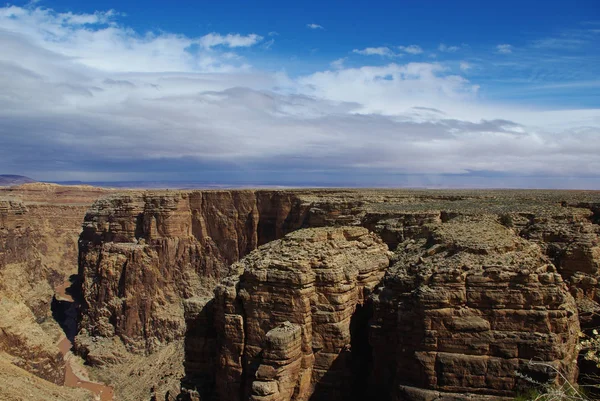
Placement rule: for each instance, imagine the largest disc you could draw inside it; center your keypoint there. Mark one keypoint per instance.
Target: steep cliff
(23, 295)
(298, 295)
(145, 256)
(141, 254)
(284, 319)
(39, 229)
(463, 310)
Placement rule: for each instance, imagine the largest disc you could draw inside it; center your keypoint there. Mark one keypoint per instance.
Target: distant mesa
(10, 179)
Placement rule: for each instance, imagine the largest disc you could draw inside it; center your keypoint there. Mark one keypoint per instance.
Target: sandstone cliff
(24, 297)
(464, 309)
(141, 254)
(284, 318)
(144, 255)
(39, 229)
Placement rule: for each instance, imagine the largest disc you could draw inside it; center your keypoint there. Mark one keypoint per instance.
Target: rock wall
(39, 230)
(142, 254)
(462, 311)
(22, 293)
(456, 315)
(480, 283)
(572, 241)
(283, 318)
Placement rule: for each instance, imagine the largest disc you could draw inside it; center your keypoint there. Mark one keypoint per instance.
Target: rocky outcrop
(150, 261)
(142, 254)
(22, 294)
(27, 345)
(462, 311)
(19, 384)
(285, 317)
(572, 241)
(11, 214)
(39, 228)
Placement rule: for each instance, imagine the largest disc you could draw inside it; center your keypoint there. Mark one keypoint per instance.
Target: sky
(315, 93)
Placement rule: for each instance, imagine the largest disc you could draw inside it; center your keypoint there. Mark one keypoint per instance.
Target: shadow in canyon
(348, 378)
(64, 306)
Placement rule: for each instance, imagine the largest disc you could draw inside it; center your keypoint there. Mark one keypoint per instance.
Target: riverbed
(100, 390)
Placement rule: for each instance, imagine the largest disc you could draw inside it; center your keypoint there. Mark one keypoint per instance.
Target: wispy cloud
(375, 51)
(268, 44)
(229, 40)
(314, 26)
(448, 49)
(464, 66)
(339, 63)
(504, 49)
(559, 43)
(412, 49)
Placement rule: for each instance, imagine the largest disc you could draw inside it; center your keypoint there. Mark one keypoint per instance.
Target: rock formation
(39, 229)
(283, 319)
(141, 254)
(23, 295)
(463, 310)
(481, 282)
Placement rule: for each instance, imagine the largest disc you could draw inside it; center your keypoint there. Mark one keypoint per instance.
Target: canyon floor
(130, 290)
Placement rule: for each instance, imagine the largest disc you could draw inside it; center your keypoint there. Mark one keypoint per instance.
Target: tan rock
(283, 318)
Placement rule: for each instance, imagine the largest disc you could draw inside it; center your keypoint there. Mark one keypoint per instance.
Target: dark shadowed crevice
(348, 378)
(139, 226)
(595, 218)
(362, 352)
(65, 306)
(248, 371)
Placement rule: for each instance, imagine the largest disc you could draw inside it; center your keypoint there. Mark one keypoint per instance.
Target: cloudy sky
(428, 93)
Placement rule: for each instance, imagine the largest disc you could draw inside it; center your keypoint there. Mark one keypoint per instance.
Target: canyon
(300, 294)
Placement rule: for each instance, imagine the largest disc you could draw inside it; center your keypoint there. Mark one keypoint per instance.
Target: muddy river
(101, 391)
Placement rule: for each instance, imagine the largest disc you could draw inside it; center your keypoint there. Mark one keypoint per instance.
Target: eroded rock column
(462, 312)
(283, 317)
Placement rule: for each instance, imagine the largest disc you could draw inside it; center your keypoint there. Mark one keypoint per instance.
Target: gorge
(286, 294)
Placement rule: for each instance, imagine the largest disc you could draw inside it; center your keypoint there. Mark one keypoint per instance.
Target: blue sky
(314, 92)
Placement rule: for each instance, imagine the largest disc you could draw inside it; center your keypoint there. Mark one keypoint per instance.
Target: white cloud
(412, 49)
(96, 41)
(504, 49)
(339, 63)
(559, 43)
(375, 51)
(268, 44)
(229, 40)
(314, 26)
(464, 66)
(103, 101)
(448, 49)
(390, 89)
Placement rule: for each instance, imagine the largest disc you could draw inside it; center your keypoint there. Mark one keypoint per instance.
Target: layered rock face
(39, 229)
(473, 293)
(312, 316)
(573, 243)
(462, 311)
(21, 266)
(142, 254)
(284, 318)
